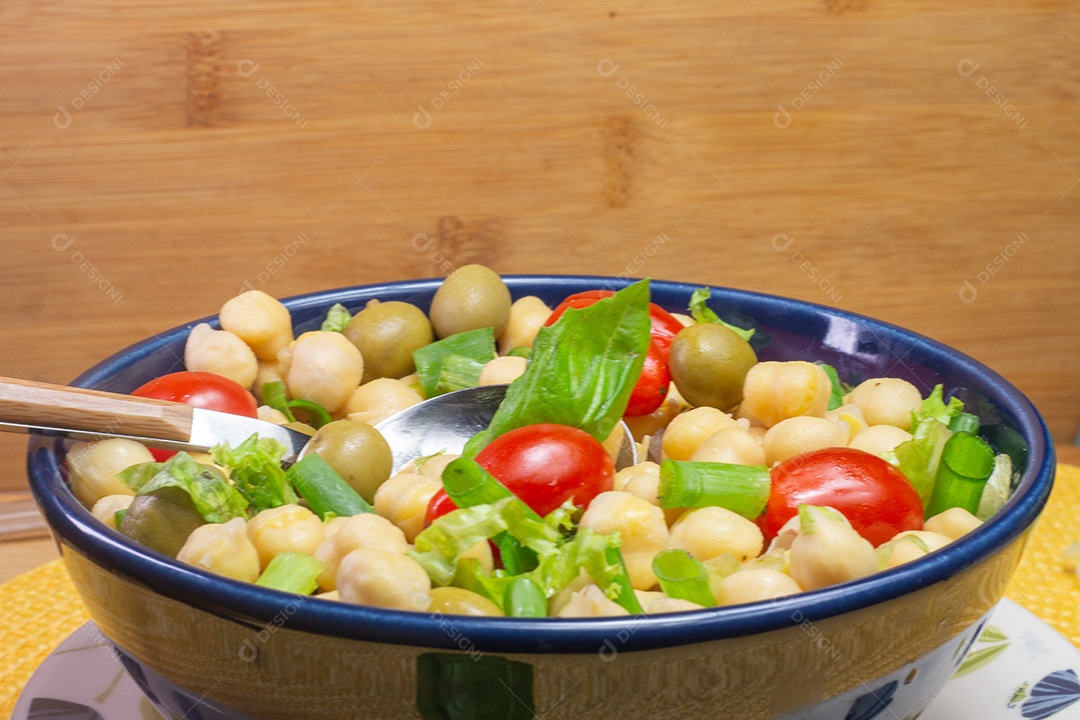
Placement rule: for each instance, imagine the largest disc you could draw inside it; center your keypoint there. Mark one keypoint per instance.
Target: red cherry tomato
(872, 494)
(199, 389)
(545, 465)
(652, 386)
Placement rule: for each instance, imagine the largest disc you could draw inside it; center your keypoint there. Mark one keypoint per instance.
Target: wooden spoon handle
(30, 405)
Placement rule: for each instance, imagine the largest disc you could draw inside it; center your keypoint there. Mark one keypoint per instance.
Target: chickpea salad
(758, 479)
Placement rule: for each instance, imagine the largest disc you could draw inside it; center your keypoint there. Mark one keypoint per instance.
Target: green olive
(357, 452)
(470, 298)
(386, 333)
(709, 363)
(161, 520)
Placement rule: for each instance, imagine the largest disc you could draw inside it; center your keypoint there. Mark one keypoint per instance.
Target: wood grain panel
(912, 161)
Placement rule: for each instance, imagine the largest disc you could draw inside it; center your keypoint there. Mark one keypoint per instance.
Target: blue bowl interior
(858, 347)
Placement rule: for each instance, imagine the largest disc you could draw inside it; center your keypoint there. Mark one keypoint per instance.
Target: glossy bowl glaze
(207, 647)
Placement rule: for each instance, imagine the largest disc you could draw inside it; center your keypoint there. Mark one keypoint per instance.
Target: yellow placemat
(41, 607)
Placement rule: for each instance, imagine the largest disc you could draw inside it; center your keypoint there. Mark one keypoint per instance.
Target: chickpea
(481, 553)
(849, 415)
(527, 315)
(470, 298)
(879, 439)
(503, 369)
(953, 523)
(221, 352)
(458, 601)
(282, 529)
(775, 391)
(710, 531)
(731, 445)
(432, 466)
(377, 400)
(909, 545)
(403, 500)
(106, 508)
(345, 534)
(591, 601)
(269, 414)
(93, 467)
(795, 435)
(369, 576)
(643, 481)
(661, 417)
(686, 433)
(755, 585)
(223, 549)
(268, 371)
(657, 603)
(641, 526)
(828, 550)
(325, 368)
(559, 599)
(260, 320)
(887, 401)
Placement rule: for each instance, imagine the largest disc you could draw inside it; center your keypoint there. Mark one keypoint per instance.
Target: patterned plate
(1019, 669)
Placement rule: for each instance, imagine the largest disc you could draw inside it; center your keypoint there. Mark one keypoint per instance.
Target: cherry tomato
(652, 386)
(199, 389)
(545, 465)
(872, 494)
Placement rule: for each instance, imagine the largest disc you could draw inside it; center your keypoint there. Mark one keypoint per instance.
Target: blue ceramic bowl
(204, 646)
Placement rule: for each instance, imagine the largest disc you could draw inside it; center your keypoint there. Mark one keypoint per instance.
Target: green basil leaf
(582, 369)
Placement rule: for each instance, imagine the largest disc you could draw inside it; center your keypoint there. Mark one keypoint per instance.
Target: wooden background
(912, 160)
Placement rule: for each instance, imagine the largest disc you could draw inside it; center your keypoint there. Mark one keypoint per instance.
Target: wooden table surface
(915, 161)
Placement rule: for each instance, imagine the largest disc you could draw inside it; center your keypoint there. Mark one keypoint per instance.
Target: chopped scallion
(682, 576)
(966, 464)
(740, 488)
(325, 491)
(292, 572)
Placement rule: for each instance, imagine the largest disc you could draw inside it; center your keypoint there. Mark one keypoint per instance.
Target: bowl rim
(257, 607)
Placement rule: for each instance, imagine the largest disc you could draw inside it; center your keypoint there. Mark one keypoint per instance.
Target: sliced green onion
(966, 464)
(317, 416)
(524, 598)
(118, 517)
(337, 319)
(964, 423)
(743, 489)
(273, 395)
(325, 490)
(836, 395)
(292, 572)
(476, 345)
(468, 484)
(521, 351)
(457, 373)
(682, 576)
(624, 591)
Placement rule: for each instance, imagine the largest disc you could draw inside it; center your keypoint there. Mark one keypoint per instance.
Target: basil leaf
(582, 369)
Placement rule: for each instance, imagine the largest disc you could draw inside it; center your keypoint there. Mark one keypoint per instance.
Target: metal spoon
(446, 422)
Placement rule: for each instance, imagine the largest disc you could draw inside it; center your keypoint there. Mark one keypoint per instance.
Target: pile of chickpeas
(365, 374)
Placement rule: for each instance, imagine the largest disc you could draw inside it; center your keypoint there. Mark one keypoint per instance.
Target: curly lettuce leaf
(216, 500)
(918, 458)
(255, 469)
(702, 313)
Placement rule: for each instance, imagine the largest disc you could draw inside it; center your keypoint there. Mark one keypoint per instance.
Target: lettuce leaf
(255, 469)
(702, 313)
(919, 457)
(440, 546)
(216, 500)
